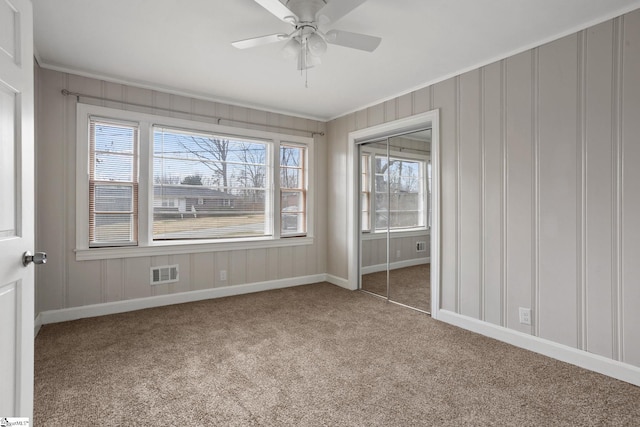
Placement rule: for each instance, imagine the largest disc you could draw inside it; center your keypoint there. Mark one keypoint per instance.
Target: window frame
(94, 183)
(302, 189)
(146, 246)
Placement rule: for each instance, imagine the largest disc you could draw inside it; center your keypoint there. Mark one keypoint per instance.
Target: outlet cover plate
(525, 315)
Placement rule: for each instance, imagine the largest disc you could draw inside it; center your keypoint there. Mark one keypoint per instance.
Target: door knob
(37, 258)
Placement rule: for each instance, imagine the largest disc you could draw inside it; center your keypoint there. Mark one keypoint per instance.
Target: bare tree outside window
(218, 184)
(213, 153)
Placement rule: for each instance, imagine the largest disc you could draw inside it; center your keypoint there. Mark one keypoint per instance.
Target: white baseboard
(395, 265)
(338, 281)
(593, 362)
(37, 324)
(66, 314)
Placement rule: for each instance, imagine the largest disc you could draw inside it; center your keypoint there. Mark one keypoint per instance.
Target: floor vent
(164, 274)
(421, 246)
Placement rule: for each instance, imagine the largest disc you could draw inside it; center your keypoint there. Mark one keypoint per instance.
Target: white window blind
(113, 183)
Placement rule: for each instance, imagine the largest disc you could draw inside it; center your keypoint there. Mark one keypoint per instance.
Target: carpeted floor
(409, 286)
(306, 356)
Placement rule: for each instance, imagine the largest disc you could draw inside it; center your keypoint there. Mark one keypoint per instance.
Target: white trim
(339, 281)
(593, 362)
(434, 230)
(66, 314)
(191, 248)
(402, 155)
(396, 234)
(395, 265)
(37, 324)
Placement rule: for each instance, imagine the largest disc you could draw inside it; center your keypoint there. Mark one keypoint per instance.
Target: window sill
(396, 234)
(174, 248)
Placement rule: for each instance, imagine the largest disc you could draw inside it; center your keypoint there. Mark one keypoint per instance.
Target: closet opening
(395, 212)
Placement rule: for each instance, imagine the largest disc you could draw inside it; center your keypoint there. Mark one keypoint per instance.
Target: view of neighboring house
(193, 199)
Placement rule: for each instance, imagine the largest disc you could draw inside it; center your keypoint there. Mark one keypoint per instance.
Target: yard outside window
(153, 181)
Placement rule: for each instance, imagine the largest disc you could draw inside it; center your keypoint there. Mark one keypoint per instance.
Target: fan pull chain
(305, 64)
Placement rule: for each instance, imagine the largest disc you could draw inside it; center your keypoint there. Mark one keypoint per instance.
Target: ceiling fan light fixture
(306, 60)
(316, 44)
(291, 49)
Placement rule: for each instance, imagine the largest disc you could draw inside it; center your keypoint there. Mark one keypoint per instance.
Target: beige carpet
(410, 285)
(306, 356)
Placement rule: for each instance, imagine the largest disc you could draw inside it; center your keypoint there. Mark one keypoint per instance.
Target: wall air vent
(421, 246)
(164, 274)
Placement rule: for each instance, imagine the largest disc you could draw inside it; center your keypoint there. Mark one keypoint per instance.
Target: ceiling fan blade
(279, 10)
(336, 9)
(259, 41)
(353, 40)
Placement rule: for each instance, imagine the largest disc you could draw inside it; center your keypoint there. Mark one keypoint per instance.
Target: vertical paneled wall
(65, 282)
(558, 217)
(540, 204)
(627, 190)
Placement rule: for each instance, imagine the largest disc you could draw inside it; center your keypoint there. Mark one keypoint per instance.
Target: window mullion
(277, 192)
(372, 192)
(145, 185)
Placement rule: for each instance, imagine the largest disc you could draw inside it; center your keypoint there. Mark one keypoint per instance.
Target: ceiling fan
(306, 41)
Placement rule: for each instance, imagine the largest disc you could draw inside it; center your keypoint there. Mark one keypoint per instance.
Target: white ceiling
(184, 46)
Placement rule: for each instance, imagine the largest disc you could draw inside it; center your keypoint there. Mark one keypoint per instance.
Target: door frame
(400, 126)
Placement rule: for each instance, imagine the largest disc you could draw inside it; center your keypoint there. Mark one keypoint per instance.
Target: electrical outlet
(398, 253)
(525, 316)
(223, 275)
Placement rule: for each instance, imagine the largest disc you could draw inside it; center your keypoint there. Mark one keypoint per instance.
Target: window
(113, 183)
(220, 183)
(400, 190)
(156, 181)
(292, 190)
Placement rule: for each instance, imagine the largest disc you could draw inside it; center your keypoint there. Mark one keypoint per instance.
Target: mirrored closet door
(395, 218)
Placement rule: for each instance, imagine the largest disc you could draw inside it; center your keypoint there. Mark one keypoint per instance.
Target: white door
(16, 208)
